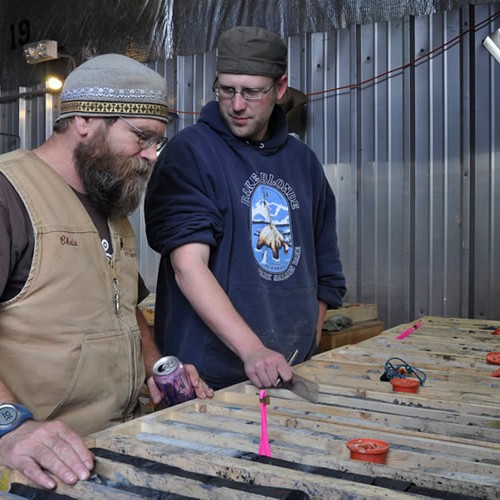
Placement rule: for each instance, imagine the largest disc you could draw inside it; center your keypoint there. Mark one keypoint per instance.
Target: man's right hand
(263, 367)
(35, 447)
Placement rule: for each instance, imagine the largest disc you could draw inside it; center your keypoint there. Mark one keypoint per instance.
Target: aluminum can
(173, 381)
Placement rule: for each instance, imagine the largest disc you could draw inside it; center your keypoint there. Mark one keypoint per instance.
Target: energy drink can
(173, 381)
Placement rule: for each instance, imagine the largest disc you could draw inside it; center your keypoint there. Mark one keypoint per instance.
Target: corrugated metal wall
(413, 155)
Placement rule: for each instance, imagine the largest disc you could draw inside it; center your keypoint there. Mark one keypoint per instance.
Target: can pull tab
(117, 295)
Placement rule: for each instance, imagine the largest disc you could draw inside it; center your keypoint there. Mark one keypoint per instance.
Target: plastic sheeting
(137, 28)
(158, 29)
(197, 24)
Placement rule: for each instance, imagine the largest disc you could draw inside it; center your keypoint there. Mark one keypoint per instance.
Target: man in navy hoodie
(245, 222)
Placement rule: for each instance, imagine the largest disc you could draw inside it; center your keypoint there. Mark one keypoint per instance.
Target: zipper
(116, 286)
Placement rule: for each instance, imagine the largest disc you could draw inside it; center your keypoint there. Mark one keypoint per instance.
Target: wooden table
(444, 441)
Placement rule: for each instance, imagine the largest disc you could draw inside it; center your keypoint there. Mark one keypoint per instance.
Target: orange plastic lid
(496, 332)
(493, 358)
(405, 385)
(368, 446)
(496, 373)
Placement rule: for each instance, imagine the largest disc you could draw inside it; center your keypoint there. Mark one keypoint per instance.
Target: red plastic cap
(405, 385)
(496, 332)
(368, 450)
(493, 358)
(496, 373)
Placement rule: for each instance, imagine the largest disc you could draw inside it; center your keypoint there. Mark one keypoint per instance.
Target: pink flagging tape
(264, 448)
(409, 331)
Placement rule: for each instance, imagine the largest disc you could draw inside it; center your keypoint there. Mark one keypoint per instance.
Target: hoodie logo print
(272, 242)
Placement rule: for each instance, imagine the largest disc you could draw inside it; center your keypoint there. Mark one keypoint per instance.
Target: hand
(263, 367)
(52, 446)
(202, 390)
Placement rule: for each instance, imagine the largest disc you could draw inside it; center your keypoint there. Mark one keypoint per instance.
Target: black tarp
(160, 29)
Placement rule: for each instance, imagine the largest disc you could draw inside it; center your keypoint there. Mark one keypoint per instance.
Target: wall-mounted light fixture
(41, 51)
(492, 44)
(44, 50)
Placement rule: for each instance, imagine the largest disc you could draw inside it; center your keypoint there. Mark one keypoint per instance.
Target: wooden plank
(439, 371)
(170, 480)
(368, 371)
(452, 328)
(399, 412)
(341, 421)
(473, 364)
(88, 490)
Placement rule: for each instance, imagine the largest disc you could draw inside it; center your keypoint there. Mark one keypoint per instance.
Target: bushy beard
(114, 183)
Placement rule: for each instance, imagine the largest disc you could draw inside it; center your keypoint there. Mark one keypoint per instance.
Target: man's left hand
(201, 388)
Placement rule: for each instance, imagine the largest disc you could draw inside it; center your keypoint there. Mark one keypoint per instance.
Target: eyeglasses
(146, 139)
(223, 92)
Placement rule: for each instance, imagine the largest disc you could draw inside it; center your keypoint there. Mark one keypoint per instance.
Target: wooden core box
(365, 324)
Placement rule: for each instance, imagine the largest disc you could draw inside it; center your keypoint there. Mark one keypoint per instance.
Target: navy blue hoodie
(268, 214)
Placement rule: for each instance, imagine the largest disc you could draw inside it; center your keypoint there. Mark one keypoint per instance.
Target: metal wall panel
(412, 154)
(25, 121)
(485, 180)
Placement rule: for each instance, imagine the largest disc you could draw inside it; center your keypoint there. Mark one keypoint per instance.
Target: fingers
(201, 388)
(262, 375)
(193, 373)
(35, 446)
(265, 366)
(31, 469)
(154, 392)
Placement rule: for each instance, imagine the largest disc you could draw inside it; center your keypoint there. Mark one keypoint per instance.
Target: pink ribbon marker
(264, 448)
(409, 331)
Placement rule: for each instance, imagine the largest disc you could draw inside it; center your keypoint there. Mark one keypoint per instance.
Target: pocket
(105, 383)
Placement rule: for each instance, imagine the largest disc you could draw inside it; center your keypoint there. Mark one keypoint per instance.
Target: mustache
(123, 176)
(132, 185)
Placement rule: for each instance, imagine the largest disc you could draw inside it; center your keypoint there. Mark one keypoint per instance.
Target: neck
(58, 154)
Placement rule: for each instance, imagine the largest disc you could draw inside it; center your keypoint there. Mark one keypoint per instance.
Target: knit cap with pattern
(114, 85)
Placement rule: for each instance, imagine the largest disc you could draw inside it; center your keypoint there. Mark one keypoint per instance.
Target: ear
(84, 124)
(281, 86)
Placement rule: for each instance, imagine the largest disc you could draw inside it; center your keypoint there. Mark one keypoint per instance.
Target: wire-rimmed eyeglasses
(223, 92)
(146, 139)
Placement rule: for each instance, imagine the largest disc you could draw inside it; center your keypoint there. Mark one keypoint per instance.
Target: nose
(238, 102)
(150, 154)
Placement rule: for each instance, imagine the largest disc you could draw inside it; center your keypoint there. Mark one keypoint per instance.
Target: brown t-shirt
(17, 240)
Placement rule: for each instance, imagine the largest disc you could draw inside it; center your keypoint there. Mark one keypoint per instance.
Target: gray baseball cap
(249, 50)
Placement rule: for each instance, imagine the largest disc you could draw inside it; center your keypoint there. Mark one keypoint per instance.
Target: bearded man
(75, 349)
